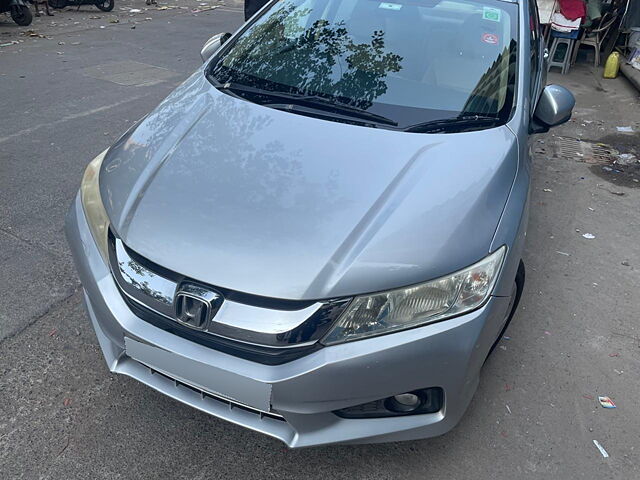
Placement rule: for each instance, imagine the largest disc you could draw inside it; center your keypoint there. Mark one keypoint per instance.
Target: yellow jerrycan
(612, 65)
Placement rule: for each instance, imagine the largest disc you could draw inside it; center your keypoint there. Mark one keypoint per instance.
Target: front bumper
(293, 401)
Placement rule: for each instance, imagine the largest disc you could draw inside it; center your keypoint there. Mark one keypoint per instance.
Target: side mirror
(212, 45)
(554, 108)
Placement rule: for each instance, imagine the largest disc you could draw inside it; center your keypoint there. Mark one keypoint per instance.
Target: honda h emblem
(196, 306)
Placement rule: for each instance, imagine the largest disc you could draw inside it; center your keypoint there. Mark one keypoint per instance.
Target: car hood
(271, 203)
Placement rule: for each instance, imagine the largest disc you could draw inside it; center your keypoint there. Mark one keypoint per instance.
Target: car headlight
(93, 207)
(445, 297)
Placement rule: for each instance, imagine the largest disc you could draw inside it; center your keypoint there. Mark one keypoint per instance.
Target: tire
(516, 293)
(106, 5)
(21, 14)
(58, 4)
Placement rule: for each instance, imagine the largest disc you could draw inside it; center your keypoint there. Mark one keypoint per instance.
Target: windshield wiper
(308, 101)
(333, 106)
(459, 123)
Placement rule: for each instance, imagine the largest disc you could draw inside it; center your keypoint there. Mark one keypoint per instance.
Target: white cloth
(560, 23)
(545, 10)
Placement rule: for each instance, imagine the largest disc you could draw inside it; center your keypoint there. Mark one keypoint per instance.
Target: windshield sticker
(492, 14)
(390, 6)
(490, 38)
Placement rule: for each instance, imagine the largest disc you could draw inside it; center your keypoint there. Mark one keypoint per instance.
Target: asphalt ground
(536, 413)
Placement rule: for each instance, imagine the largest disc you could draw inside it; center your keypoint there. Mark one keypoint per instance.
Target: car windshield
(407, 61)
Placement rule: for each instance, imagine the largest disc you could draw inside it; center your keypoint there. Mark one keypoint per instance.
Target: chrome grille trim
(142, 284)
(247, 324)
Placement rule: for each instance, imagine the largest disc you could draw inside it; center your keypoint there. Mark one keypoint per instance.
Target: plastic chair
(594, 37)
(562, 38)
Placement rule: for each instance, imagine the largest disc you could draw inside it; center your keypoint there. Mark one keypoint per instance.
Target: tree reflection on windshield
(281, 53)
(495, 87)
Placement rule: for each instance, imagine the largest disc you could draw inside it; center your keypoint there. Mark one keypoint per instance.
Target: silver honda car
(318, 235)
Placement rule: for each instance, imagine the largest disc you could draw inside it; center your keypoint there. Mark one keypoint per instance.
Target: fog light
(426, 400)
(405, 402)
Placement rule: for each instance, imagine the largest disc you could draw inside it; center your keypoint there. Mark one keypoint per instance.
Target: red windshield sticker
(490, 38)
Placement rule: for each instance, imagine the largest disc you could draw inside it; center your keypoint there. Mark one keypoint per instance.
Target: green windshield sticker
(492, 14)
(390, 6)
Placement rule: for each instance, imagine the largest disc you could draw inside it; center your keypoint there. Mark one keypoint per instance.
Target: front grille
(266, 421)
(149, 291)
(254, 353)
(203, 394)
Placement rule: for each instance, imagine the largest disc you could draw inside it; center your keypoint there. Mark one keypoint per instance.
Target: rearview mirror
(554, 108)
(212, 45)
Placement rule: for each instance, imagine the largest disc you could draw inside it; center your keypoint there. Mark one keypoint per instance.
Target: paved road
(63, 416)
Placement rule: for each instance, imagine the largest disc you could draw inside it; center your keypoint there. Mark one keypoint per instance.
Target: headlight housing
(394, 310)
(93, 207)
